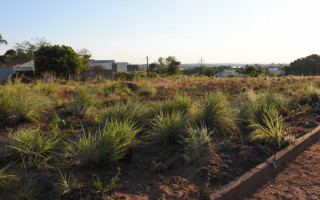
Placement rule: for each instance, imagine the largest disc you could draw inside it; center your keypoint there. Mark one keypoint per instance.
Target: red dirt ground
(300, 180)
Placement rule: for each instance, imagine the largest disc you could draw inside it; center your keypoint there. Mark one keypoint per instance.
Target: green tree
(173, 65)
(3, 41)
(61, 60)
(85, 56)
(309, 65)
(250, 71)
(26, 49)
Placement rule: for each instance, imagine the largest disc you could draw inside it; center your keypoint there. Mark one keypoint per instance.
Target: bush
(31, 145)
(147, 89)
(168, 128)
(132, 111)
(5, 104)
(196, 140)
(106, 147)
(82, 101)
(217, 115)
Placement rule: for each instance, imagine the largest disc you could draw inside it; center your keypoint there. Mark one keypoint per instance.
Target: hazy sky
(245, 31)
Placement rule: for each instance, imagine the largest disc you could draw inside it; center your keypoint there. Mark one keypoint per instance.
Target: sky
(218, 31)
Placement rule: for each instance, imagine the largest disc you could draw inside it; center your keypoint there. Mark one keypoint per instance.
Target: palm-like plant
(2, 41)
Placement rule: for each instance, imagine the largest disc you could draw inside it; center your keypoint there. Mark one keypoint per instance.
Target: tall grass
(168, 128)
(309, 94)
(82, 102)
(27, 107)
(147, 89)
(106, 146)
(116, 87)
(196, 140)
(271, 131)
(216, 114)
(30, 145)
(181, 103)
(133, 111)
(5, 104)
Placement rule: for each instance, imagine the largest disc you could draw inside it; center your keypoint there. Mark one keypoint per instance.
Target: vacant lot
(172, 138)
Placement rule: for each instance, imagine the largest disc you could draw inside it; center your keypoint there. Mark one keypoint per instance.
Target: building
(104, 64)
(17, 68)
(229, 72)
(276, 70)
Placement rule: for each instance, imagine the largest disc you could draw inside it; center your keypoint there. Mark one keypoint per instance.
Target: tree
(2, 41)
(250, 71)
(309, 65)
(61, 60)
(26, 49)
(85, 56)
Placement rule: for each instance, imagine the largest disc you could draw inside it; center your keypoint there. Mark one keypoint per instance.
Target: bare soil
(300, 180)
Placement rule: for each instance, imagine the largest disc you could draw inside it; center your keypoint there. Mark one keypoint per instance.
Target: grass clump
(196, 139)
(132, 111)
(147, 89)
(5, 104)
(271, 131)
(105, 147)
(168, 128)
(216, 114)
(181, 103)
(117, 87)
(309, 94)
(66, 184)
(82, 102)
(27, 107)
(30, 145)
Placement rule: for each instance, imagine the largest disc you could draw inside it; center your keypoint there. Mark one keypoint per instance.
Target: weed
(309, 94)
(116, 88)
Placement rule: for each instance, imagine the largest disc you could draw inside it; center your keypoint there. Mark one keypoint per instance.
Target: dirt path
(301, 180)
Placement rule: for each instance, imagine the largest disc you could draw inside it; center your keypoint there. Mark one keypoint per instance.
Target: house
(17, 68)
(276, 70)
(229, 72)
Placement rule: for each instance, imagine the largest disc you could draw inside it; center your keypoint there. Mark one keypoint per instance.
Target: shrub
(147, 89)
(106, 147)
(82, 101)
(168, 128)
(308, 95)
(27, 107)
(132, 111)
(217, 115)
(31, 145)
(196, 140)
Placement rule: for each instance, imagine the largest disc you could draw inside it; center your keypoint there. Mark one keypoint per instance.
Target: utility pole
(147, 67)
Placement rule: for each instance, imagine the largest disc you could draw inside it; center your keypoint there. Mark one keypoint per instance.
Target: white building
(275, 70)
(227, 72)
